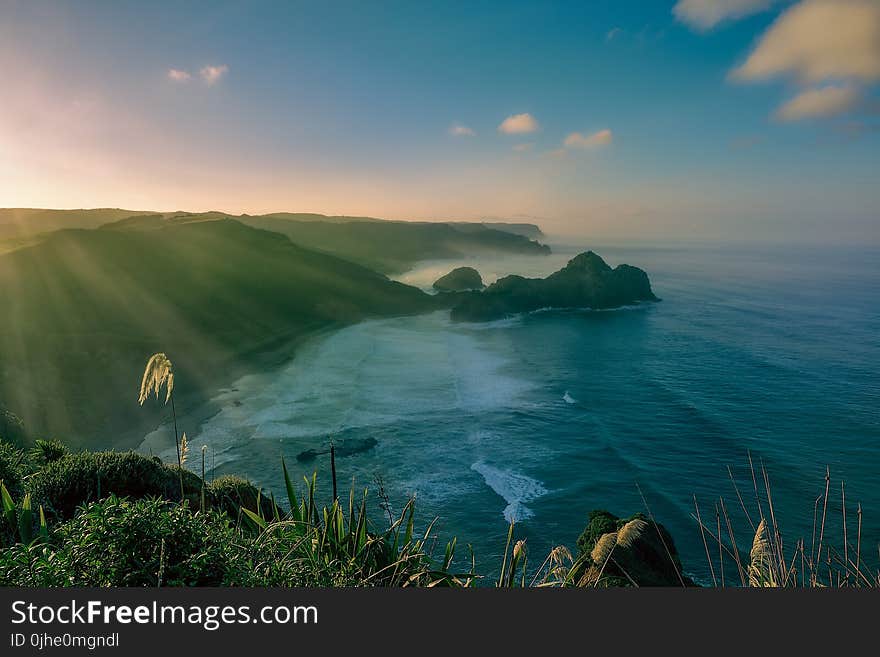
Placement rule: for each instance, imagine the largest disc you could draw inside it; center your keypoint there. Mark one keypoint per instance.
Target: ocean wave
(568, 399)
(587, 309)
(504, 323)
(515, 488)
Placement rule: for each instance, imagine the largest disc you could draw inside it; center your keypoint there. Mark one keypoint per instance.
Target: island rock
(460, 279)
(586, 281)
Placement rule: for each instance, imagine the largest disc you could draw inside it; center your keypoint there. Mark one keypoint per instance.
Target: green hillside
(390, 247)
(393, 247)
(532, 231)
(387, 246)
(83, 310)
(27, 222)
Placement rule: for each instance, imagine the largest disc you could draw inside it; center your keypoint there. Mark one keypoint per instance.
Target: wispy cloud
(819, 103)
(817, 41)
(177, 75)
(703, 15)
(835, 43)
(459, 130)
(519, 124)
(583, 141)
(613, 33)
(212, 74)
(522, 148)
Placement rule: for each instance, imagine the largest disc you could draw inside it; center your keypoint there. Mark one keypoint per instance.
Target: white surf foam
(568, 399)
(514, 487)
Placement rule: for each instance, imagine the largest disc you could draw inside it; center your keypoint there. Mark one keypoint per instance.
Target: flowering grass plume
(158, 372)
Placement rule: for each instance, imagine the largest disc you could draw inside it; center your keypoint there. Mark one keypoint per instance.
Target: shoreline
(197, 409)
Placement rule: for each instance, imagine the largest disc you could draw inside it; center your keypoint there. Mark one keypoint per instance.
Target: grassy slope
(84, 309)
(20, 223)
(386, 246)
(531, 231)
(394, 247)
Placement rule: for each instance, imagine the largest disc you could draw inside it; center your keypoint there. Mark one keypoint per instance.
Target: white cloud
(518, 124)
(595, 140)
(705, 14)
(177, 75)
(613, 33)
(459, 130)
(212, 74)
(819, 103)
(819, 40)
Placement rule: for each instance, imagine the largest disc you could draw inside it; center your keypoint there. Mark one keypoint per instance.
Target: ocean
(772, 352)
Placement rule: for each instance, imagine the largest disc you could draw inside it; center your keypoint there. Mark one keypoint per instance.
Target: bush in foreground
(13, 468)
(232, 494)
(71, 480)
(118, 542)
(154, 542)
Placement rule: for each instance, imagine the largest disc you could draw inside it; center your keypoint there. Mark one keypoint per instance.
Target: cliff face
(585, 282)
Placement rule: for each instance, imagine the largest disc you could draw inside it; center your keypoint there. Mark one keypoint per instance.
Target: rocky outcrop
(460, 279)
(585, 282)
(632, 552)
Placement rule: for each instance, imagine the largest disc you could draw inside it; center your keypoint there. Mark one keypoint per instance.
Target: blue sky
(698, 119)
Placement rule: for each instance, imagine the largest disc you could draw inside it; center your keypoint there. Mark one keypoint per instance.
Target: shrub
(47, 451)
(230, 493)
(333, 546)
(142, 542)
(64, 484)
(13, 468)
(117, 542)
(277, 558)
(599, 522)
(633, 551)
(21, 522)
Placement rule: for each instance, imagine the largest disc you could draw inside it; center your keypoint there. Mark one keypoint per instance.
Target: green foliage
(76, 479)
(626, 552)
(334, 546)
(47, 451)
(118, 542)
(14, 467)
(599, 522)
(124, 542)
(19, 522)
(230, 493)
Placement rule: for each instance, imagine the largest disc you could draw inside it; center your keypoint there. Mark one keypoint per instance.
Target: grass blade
(291, 494)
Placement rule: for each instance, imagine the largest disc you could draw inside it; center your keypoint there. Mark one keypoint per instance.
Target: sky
(680, 120)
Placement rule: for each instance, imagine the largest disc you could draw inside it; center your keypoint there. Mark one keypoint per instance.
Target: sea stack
(586, 281)
(460, 279)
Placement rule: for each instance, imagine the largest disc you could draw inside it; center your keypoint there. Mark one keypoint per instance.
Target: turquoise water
(543, 417)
